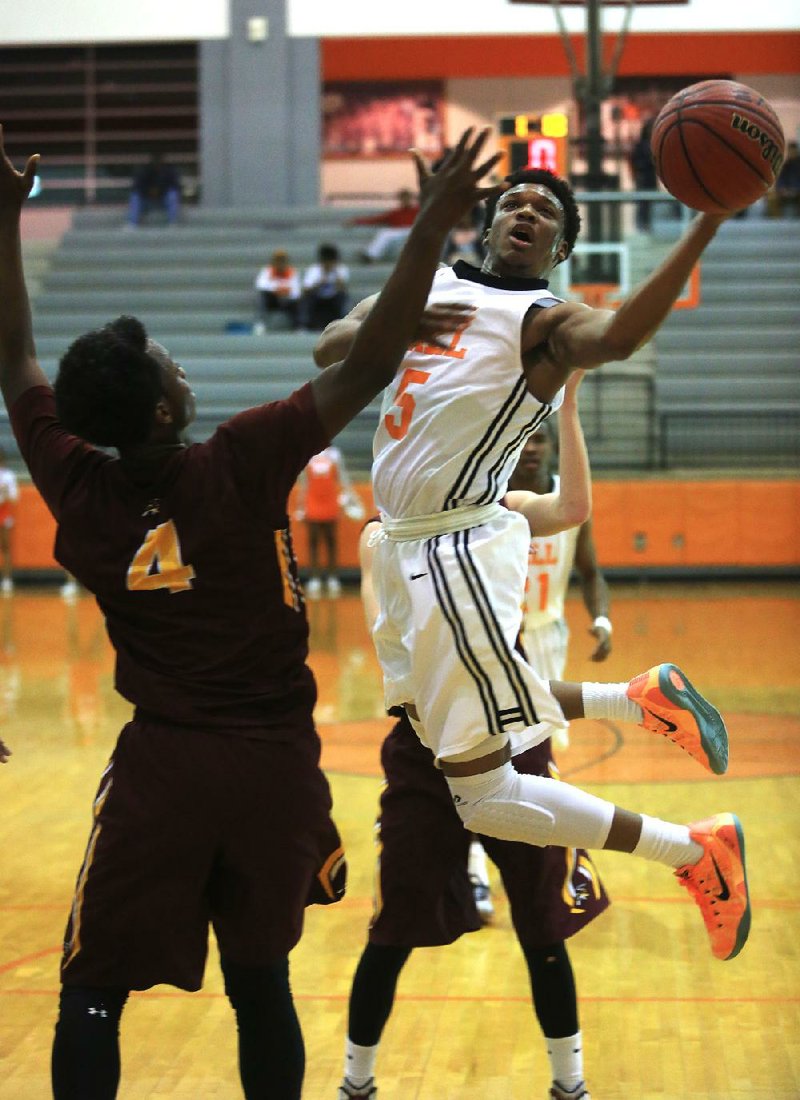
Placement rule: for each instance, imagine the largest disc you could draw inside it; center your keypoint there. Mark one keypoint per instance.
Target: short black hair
(328, 252)
(108, 386)
(560, 188)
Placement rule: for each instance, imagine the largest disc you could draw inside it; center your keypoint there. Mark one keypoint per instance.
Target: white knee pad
(531, 809)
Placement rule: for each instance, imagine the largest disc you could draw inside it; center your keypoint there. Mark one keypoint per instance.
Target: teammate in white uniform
(551, 560)
(450, 569)
(9, 495)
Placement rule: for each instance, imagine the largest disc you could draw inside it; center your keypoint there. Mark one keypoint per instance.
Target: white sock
(566, 1060)
(359, 1063)
(664, 842)
(609, 701)
(477, 862)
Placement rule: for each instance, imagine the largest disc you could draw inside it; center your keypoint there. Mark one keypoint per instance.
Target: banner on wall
(636, 99)
(383, 119)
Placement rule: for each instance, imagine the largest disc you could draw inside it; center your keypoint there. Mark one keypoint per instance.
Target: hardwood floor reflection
(660, 1017)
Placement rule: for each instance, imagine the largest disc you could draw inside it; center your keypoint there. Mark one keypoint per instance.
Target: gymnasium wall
(638, 524)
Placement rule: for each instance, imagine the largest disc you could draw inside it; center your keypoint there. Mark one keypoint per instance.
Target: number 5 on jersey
(405, 402)
(158, 563)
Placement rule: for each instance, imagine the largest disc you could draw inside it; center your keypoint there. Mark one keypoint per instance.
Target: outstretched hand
(15, 186)
(454, 188)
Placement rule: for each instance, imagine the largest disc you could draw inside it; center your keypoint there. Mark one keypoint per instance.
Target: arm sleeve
(272, 444)
(54, 458)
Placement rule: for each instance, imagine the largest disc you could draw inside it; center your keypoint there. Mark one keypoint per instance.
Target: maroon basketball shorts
(423, 895)
(195, 827)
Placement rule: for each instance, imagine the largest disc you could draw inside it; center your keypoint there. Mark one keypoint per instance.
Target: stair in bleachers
(728, 377)
(738, 353)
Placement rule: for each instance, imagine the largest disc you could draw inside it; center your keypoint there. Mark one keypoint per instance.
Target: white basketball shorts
(450, 615)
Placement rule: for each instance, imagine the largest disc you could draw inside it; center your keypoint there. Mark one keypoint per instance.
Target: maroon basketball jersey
(191, 561)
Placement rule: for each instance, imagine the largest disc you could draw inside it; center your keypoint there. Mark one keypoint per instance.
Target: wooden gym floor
(660, 1016)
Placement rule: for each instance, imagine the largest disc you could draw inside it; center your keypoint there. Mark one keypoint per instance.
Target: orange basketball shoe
(672, 707)
(718, 883)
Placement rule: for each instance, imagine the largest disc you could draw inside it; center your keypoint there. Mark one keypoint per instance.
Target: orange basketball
(718, 146)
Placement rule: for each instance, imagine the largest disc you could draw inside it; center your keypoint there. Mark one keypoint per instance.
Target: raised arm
(345, 388)
(571, 504)
(572, 335)
(19, 369)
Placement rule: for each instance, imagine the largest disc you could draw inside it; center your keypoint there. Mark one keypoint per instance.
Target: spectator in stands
(278, 286)
(644, 174)
(396, 224)
(786, 192)
(325, 289)
(9, 495)
(157, 183)
(464, 243)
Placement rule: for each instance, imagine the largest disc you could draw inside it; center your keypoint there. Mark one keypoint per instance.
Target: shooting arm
(580, 337)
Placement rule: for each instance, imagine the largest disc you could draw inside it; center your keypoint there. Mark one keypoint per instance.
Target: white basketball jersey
(454, 421)
(549, 566)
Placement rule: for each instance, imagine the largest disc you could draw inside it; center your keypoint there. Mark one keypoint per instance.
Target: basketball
(717, 146)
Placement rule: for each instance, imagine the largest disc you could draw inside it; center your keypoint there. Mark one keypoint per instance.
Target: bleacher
(718, 387)
(728, 382)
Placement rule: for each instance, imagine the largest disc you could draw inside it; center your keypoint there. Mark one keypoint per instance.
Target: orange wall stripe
(447, 57)
(647, 522)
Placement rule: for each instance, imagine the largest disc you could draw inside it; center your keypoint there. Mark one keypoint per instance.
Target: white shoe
(482, 894)
(7, 586)
(69, 590)
(334, 586)
(314, 588)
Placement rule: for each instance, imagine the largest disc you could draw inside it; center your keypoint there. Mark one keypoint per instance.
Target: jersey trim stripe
(471, 467)
(469, 660)
(492, 492)
(524, 710)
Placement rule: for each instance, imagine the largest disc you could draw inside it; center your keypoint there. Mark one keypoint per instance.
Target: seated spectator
(396, 222)
(278, 286)
(786, 193)
(325, 289)
(464, 243)
(156, 183)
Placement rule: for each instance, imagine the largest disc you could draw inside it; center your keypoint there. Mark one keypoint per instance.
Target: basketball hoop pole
(591, 90)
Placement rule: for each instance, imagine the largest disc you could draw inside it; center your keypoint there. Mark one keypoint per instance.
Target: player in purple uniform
(213, 808)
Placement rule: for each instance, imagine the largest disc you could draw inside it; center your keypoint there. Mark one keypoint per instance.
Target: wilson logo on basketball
(769, 150)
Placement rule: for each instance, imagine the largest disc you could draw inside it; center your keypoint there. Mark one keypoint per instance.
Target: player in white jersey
(450, 567)
(9, 495)
(551, 561)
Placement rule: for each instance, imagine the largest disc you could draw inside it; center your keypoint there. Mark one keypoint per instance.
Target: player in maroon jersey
(213, 808)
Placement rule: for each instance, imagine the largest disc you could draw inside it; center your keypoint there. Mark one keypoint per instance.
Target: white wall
(348, 18)
(57, 22)
(62, 21)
